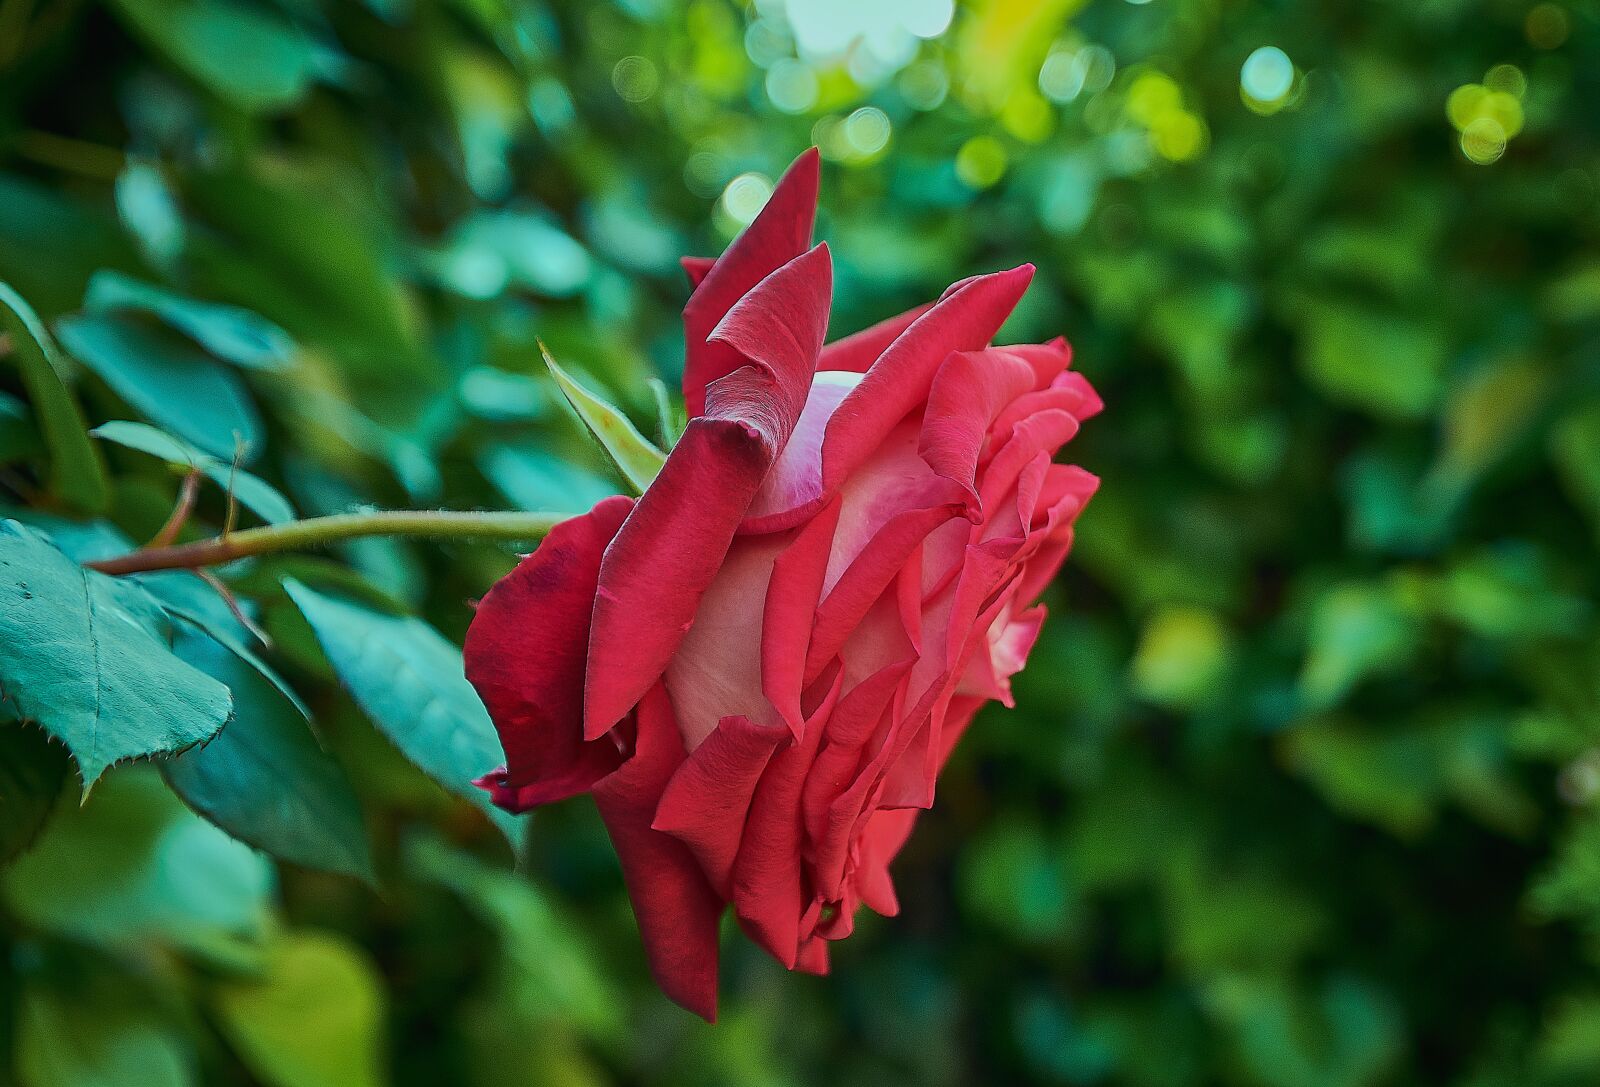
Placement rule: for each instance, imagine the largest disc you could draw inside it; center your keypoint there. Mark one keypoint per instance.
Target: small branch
(320, 531)
(188, 491)
(220, 587)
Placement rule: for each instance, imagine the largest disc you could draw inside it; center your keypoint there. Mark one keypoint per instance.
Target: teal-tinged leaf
(98, 1028)
(32, 772)
(168, 380)
(1569, 1043)
(251, 490)
(410, 681)
(630, 451)
(312, 1018)
(76, 474)
(133, 865)
(187, 597)
(494, 249)
(534, 480)
(80, 541)
(501, 396)
(1015, 878)
(231, 333)
(252, 57)
(1390, 777)
(148, 439)
(150, 212)
(87, 658)
(264, 779)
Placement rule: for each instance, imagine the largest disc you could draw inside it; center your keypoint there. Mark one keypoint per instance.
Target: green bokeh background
(1301, 789)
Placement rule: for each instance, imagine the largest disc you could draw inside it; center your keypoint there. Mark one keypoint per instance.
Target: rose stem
(317, 531)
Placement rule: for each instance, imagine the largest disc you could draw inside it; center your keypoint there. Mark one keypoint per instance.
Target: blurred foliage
(1303, 787)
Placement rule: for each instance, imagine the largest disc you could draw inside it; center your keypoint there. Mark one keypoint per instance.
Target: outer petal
(676, 907)
(779, 234)
(859, 350)
(696, 268)
(673, 543)
(525, 653)
(886, 833)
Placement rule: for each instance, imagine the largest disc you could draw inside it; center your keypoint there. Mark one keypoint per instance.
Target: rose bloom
(760, 666)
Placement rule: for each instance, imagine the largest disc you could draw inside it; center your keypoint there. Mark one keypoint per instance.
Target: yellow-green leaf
(313, 1019)
(633, 454)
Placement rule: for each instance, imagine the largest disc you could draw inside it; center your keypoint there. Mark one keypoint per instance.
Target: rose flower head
(759, 667)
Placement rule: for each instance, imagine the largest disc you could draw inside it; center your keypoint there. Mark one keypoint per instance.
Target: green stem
(318, 531)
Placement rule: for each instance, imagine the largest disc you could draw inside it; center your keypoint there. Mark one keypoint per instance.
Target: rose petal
(767, 895)
(886, 833)
(859, 350)
(872, 572)
(676, 907)
(969, 391)
(793, 594)
(966, 319)
(705, 804)
(530, 673)
(779, 234)
(696, 268)
(672, 545)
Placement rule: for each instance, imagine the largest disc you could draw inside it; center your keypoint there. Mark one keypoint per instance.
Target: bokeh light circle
(745, 196)
(1267, 74)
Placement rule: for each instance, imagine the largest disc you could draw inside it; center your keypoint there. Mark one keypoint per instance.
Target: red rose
(759, 667)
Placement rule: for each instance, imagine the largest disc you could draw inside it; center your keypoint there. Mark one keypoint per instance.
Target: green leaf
(313, 1019)
(97, 1029)
(19, 438)
(168, 380)
(76, 475)
(231, 333)
(1388, 364)
(1575, 450)
(32, 771)
(630, 451)
(409, 680)
(131, 865)
(252, 57)
(265, 780)
(1357, 630)
(87, 658)
(547, 965)
(1015, 878)
(251, 490)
